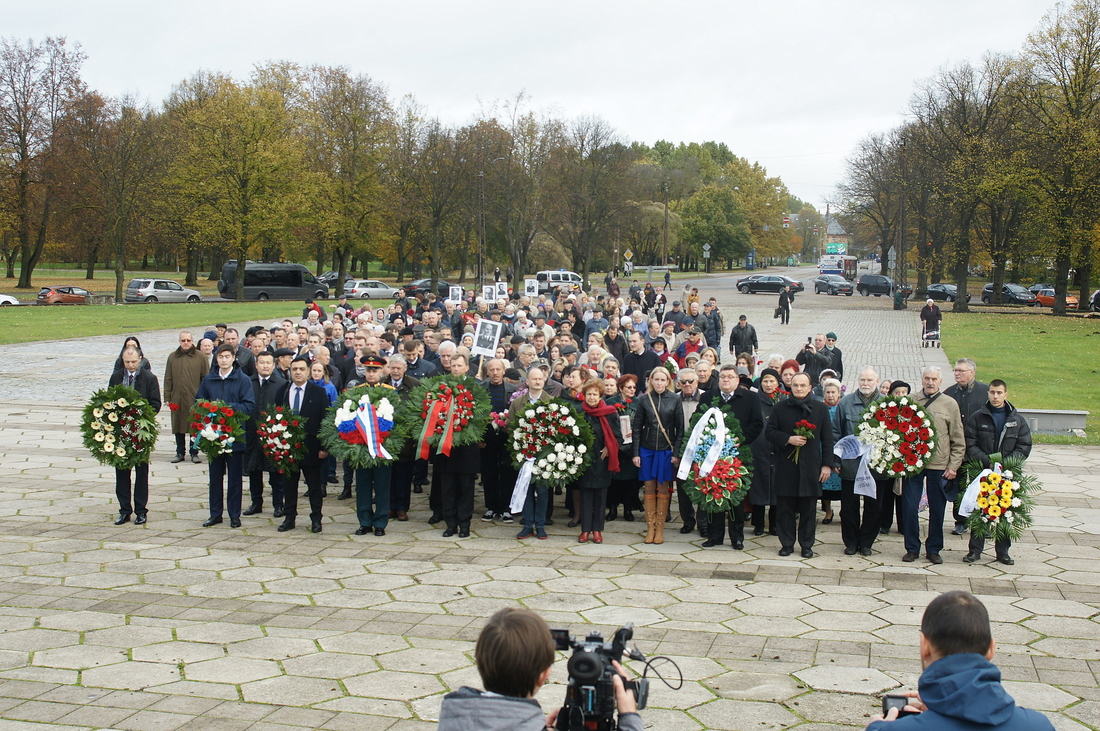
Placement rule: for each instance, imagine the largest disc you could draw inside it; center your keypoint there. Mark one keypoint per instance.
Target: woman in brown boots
(658, 429)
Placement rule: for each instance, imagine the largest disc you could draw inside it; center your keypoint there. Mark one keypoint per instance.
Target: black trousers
(227, 467)
(716, 528)
(806, 507)
(315, 489)
(256, 488)
(457, 498)
(401, 477)
(420, 472)
(758, 516)
(498, 478)
(435, 493)
(140, 491)
(889, 506)
(977, 545)
(784, 315)
(857, 533)
(181, 443)
(591, 513)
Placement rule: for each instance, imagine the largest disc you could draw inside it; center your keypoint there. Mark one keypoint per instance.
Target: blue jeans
(372, 496)
(231, 463)
(534, 508)
(937, 504)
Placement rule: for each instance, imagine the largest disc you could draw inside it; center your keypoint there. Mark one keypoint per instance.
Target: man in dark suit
(735, 399)
(310, 402)
(691, 398)
(401, 469)
(266, 385)
(498, 477)
(145, 383)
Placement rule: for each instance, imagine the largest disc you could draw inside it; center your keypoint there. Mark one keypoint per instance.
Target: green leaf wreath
(728, 483)
(426, 414)
(347, 445)
(1005, 512)
(119, 427)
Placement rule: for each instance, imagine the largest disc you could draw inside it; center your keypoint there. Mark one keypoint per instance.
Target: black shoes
(1006, 559)
(758, 532)
(195, 459)
(464, 533)
(959, 529)
(234, 522)
(315, 527)
(279, 513)
(739, 546)
(211, 521)
(450, 532)
(332, 480)
(807, 553)
(548, 521)
(710, 543)
(612, 514)
(345, 495)
(786, 551)
(418, 490)
(865, 552)
(573, 523)
(850, 551)
(628, 516)
(140, 519)
(935, 558)
(379, 532)
(436, 517)
(910, 557)
(286, 525)
(253, 509)
(972, 557)
(362, 530)
(687, 528)
(122, 518)
(177, 459)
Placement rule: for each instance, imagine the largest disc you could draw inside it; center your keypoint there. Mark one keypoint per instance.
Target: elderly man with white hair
(938, 475)
(857, 535)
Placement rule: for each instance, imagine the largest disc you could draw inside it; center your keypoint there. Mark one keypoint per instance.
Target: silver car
(159, 290)
(368, 289)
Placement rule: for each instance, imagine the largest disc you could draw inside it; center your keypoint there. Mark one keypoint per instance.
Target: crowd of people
(635, 367)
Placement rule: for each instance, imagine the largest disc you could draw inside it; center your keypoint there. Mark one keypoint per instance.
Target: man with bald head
(858, 535)
(182, 375)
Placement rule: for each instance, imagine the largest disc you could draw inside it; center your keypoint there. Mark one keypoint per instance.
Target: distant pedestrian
(784, 307)
(496, 274)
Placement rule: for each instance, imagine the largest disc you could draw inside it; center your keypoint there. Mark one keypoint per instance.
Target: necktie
(297, 398)
(130, 380)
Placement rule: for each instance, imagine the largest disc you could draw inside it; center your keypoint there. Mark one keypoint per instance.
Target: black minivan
(272, 282)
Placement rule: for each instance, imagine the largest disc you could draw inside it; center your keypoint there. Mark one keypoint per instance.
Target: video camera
(590, 696)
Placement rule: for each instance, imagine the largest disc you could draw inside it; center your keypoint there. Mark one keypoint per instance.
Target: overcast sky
(793, 85)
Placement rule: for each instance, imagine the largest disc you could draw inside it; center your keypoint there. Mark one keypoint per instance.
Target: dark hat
(209, 335)
(895, 384)
(567, 349)
(830, 336)
(222, 324)
(406, 331)
(676, 303)
(743, 317)
(540, 315)
(773, 373)
(513, 374)
(695, 330)
(280, 352)
(372, 361)
(518, 340)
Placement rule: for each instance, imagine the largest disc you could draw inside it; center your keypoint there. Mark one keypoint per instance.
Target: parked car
(275, 281)
(62, 295)
(750, 278)
(771, 283)
(944, 292)
(551, 279)
(422, 286)
(159, 290)
(6, 300)
(1045, 298)
(1037, 288)
(1094, 301)
(370, 289)
(1011, 294)
(833, 284)
(330, 278)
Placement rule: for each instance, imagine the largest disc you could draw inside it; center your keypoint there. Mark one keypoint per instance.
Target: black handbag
(778, 313)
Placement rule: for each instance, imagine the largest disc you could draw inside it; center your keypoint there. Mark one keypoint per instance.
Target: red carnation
(173, 407)
(898, 467)
(880, 415)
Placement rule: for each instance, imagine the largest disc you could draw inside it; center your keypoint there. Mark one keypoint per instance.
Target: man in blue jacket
(227, 383)
(960, 688)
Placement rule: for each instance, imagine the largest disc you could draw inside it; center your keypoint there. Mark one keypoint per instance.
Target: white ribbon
(523, 482)
(850, 448)
(970, 497)
(711, 459)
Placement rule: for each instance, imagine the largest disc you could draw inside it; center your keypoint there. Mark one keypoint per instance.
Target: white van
(549, 280)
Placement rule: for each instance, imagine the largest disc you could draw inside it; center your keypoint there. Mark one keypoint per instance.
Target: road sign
(891, 257)
(706, 247)
(628, 254)
(706, 254)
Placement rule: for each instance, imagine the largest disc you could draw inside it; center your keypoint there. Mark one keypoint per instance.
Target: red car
(62, 295)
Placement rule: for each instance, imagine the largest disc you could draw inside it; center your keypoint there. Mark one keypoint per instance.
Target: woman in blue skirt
(658, 429)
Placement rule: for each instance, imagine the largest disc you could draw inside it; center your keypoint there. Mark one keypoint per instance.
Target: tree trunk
(93, 254)
(192, 279)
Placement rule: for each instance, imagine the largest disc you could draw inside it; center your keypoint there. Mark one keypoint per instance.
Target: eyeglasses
(961, 370)
(686, 383)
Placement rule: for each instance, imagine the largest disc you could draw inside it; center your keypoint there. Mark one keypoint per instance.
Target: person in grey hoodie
(514, 655)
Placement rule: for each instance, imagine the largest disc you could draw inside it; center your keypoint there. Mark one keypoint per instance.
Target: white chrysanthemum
(123, 403)
(1017, 502)
(540, 410)
(98, 437)
(581, 448)
(112, 416)
(552, 457)
(97, 413)
(530, 413)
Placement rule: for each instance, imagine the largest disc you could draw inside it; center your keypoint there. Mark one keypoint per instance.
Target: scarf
(602, 412)
(802, 405)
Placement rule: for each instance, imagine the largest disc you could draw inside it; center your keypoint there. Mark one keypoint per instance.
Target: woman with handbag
(658, 429)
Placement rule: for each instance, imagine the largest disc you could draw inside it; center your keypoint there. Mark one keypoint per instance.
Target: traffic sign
(706, 247)
(706, 254)
(628, 254)
(891, 257)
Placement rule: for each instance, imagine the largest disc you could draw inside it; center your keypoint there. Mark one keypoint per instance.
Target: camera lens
(585, 667)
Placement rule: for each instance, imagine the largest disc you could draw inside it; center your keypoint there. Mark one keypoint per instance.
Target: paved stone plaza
(172, 626)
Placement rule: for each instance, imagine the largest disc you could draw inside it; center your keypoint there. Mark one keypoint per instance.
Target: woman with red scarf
(592, 485)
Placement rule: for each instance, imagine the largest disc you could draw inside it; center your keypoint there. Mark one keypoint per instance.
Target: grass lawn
(24, 324)
(1048, 362)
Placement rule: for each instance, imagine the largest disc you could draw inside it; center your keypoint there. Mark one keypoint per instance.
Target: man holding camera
(960, 687)
(515, 654)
